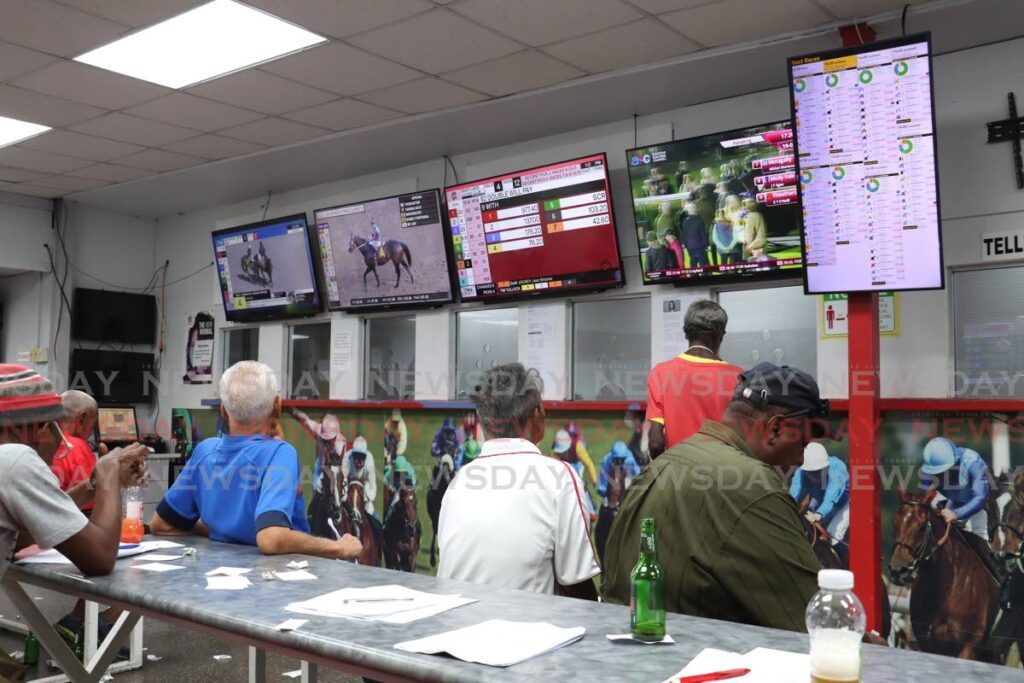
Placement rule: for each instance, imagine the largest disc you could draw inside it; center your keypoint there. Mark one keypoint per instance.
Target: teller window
(486, 339)
(391, 358)
(775, 325)
(611, 361)
(988, 333)
(241, 344)
(309, 369)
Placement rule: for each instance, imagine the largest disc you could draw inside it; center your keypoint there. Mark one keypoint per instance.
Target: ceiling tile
(539, 22)
(341, 69)
(213, 147)
(17, 175)
(159, 160)
(436, 41)
(111, 172)
(641, 42)
(194, 112)
(522, 71)
(274, 132)
(342, 18)
(17, 61)
(68, 183)
(55, 29)
(45, 192)
(38, 108)
(659, 6)
(84, 83)
(426, 94)
(343, 114)
(44, 162)
(81, 146)
(863, 8)
(135, 13)
(262, 92)
(125, 128)
(736, 21)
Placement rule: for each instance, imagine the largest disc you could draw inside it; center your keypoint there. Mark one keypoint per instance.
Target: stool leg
(257, 665)
(309, 672)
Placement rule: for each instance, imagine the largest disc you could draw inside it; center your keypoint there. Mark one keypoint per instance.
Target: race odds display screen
(537, 231)
(717, 207)
(266, 269)
(385, 252)
(865, 143)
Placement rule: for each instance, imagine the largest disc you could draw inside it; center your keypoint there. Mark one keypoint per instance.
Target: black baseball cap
(767, 384)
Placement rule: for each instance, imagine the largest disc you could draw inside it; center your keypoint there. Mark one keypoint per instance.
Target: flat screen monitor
(384, 253)
(117, 425)
(865, 143)
(266, 271)
(717, 207)
(105, 316)
(114, 378)
(546, 230)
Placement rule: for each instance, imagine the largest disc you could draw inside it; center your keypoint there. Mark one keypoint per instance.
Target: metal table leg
(257, 665)
(309, 672)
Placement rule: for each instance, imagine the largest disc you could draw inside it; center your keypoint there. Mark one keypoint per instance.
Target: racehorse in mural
(326, 508)
(820, 540)
(396, 253)
(440, 478)
(402, 531)
(954, 598)
(357, 522)
(1008, 549)
(610, 508)
(391, 439)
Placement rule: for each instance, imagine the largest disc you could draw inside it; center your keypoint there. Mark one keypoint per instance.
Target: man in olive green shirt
(729, 538)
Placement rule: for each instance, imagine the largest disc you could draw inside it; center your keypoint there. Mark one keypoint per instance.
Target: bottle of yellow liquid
(836, 622)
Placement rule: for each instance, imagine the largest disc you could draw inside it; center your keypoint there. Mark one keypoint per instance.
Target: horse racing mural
(952, 503)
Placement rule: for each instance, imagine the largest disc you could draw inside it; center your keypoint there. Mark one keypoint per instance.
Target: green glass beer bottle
(647, 588)
(31, 650)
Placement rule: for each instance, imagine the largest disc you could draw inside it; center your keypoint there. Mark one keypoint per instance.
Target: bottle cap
(835, 579)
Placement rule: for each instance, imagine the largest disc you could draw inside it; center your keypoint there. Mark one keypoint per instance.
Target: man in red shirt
(693, 387)
(79, 423)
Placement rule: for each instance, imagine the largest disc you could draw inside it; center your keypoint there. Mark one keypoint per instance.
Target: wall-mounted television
(546, 230)
(869, 185)
(114, 377)
(266, 270)
(104, 316)
(386, 252)
(719, 207)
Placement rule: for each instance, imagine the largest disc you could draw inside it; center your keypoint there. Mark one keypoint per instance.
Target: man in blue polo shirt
(246, 487)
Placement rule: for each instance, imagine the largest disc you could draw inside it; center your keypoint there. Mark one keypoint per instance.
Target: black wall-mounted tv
(114, 377)
(106, 316)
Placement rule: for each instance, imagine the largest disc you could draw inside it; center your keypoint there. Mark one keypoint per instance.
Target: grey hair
(705, 321)
(507, 398)
(248, 391)
(77, 402)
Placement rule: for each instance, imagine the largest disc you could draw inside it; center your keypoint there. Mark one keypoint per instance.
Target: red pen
(716, 676)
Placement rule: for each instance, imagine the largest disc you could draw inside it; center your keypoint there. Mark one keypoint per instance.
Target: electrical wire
(636, 135)
(903, 19)
(266, 206)
(148, 288)
(454, 172)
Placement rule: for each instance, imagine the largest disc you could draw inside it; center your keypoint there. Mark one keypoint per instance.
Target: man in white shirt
(513, 517)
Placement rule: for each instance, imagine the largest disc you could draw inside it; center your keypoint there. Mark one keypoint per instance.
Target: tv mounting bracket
(1010, 130)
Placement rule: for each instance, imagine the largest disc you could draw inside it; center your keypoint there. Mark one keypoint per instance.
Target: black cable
(636, 138)
(454, 172)
(903, 19)
(63, 296)
(142, 289)
(444, 165)
(266, 206)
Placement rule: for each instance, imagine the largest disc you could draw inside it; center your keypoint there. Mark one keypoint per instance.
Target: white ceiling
(399, 81)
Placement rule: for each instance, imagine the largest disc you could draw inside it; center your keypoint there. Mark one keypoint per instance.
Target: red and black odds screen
(532, 232)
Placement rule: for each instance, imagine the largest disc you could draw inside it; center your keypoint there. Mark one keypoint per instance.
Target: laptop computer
(117, 426)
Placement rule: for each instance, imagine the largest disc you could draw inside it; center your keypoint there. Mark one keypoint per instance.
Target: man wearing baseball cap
(729, 538)
(33, 509)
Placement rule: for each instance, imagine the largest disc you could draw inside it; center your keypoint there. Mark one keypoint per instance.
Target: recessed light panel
(13, 130)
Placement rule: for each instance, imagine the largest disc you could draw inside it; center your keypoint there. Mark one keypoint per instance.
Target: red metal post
(865, 486)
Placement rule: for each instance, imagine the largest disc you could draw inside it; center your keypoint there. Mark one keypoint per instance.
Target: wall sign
(834, 310)
(1005, 245)
(199, 349)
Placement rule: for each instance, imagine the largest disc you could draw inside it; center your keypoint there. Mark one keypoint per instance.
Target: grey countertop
(254, 612)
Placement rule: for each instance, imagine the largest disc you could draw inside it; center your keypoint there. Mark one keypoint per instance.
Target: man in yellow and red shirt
(75, 466)
(694, 386)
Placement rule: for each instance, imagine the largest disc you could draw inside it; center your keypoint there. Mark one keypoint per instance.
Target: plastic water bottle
(836, 624)
(132, 530)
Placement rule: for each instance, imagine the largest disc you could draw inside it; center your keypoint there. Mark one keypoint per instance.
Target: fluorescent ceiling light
(13, 130)
(214, 39)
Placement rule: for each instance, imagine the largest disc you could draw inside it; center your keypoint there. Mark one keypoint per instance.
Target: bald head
(80, 414)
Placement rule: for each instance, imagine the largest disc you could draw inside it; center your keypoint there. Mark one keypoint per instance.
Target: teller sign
(865, 143)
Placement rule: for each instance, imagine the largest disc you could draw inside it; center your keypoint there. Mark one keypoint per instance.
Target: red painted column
(865, 486)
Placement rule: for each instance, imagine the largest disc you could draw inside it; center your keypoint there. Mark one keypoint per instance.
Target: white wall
(25, 284)
(977, 195)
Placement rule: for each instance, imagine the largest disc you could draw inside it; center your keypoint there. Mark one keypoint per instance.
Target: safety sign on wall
(834, 312)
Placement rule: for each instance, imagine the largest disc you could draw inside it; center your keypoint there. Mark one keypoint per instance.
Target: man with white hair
(74, 466)
(246, 487)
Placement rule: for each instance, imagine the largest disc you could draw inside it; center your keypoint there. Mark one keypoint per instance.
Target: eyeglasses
(55, 429)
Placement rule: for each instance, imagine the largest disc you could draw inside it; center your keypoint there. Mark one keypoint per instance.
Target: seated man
(33, 509)
(729, 538)
(79, 423)
(245, 488)
(530, 533)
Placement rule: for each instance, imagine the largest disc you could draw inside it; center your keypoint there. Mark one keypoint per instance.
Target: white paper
(227, 583)
(162, 558)
(396, 604)
(293, 674)
(54, 557)
(409, 616)
(673, 340)
(297, 575)
(545, 346)
(157, 567)
(228, 571)
(222, 658)
(766, 666)
(153, 658)
(667, 640)
(291, 624)
(497, 642)
(341, 352)
(298, 565)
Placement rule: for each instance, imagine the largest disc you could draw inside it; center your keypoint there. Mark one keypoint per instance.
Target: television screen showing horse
(265, 270)
(385, 252)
